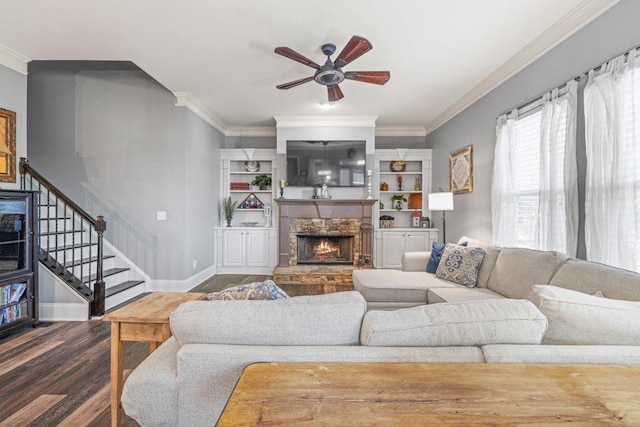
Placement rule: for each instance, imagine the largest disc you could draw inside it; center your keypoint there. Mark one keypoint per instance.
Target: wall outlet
(161, 215)
(195, 264)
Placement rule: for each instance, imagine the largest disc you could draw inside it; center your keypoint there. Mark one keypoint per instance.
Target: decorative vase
(384, 186)
(397, 205)
(262, 186)
(228, 222)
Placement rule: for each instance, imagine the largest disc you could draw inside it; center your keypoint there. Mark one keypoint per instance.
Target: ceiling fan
(330, 74)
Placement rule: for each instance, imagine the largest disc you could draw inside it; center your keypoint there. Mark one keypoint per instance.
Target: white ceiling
(442, 54)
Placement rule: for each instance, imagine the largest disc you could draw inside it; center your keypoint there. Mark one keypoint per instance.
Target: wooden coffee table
(146, 319)
(434, 394)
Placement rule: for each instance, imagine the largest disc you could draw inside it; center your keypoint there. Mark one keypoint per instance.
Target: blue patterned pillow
(460, 265)
(266, 290)
(437, 249)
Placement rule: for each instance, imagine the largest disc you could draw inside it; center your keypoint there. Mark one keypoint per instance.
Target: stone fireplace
(320, 243)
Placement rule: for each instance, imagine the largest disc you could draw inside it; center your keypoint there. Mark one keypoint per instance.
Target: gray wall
(611, 34)
(110, 137)
(13, 96)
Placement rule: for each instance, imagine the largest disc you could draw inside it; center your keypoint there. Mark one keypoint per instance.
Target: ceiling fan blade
(292, 54)
(335, 94)
(356, 47)
(294, 83)
(375, 77)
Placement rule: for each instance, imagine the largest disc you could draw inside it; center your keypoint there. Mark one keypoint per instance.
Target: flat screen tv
(335, 163)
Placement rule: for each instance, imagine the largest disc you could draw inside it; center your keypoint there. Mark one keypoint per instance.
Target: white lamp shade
(441, 201)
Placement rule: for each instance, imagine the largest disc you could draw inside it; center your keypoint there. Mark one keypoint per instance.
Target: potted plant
(397, 200)
(228, 206)
(262, 181)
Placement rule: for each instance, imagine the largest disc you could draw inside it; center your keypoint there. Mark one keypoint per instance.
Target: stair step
(54, 233)
(51, 218)
(86, 260)
(109, 272)
(122, 287)
(74, 246)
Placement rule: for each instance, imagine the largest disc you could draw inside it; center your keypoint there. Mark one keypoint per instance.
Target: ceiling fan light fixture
(329, 77)
(330, 74)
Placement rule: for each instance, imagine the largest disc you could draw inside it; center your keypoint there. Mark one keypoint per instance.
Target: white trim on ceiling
(184, 99)
(573, 21)
(251, 131)
(13, 60)
(401, 131)
(325, 121)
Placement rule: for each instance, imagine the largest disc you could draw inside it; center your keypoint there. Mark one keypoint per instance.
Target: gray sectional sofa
(526, 312)
(504, 273)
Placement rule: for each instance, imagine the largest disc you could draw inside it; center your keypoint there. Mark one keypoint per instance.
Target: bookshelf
(18, 260)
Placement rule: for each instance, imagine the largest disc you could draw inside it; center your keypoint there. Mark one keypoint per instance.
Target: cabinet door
(233, 248)
(257, 248)
(418, 241)
(392, 249)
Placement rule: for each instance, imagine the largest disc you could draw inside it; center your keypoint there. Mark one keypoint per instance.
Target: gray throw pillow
(266, 290)
(460, 265)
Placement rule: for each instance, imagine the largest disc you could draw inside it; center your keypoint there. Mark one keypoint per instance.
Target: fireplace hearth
(325, 250)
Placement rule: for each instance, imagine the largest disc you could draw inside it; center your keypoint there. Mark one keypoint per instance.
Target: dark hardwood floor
(59, 373)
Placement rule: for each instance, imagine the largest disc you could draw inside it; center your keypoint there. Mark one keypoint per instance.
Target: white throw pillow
(578, 318)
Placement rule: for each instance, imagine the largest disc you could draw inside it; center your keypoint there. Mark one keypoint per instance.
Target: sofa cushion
(502, 321)
(437, 250)
(491, 253)
(461, 294)
(393, 285)
(331, 319)
(600, 354)
(590, 277)
(517, 269)
(460, 265)
(578, 318)
(266, 290)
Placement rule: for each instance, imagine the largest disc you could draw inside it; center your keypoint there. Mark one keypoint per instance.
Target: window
(534, 188)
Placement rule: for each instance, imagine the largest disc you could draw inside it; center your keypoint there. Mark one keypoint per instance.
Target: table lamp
(442, 201)
(415, 203)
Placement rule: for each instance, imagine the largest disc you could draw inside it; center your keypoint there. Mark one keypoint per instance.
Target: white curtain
(612, 128)
(555, 227)
(503, 183)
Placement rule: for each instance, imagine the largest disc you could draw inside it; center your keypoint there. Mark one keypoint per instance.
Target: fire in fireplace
(325, 249)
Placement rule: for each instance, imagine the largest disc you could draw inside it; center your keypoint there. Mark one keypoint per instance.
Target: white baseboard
(182, 285)
(63, 312)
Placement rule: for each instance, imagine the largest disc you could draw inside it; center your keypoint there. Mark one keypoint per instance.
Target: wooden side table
(146, 319)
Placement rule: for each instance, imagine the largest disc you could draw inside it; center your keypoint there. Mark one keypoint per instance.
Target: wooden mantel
(317, 208)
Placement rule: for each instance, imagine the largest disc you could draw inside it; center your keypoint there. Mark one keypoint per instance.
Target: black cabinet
(18, 260)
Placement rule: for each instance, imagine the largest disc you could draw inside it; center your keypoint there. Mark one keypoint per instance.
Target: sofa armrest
(415, 261)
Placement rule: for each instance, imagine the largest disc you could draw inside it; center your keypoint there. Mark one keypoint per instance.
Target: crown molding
(325, 121)
(252, 131)
(185, 99)
(401, 131)
(13, 60)
(568, 25)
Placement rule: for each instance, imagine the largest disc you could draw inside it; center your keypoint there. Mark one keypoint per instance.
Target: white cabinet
(249, 246)
(247, 250)
(392, 243)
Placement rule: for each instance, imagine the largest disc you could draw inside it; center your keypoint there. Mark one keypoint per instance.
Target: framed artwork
(7, 146)
(461, 170)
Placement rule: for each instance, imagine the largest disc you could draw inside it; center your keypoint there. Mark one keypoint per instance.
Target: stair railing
(52, 199)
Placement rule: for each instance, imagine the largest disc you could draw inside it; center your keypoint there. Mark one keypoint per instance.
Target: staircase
(71, 246)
